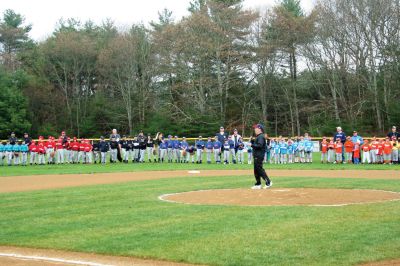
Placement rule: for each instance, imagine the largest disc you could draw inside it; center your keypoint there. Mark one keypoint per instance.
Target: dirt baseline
(282, 197)
(40, 182)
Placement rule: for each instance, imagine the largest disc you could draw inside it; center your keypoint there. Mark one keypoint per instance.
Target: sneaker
(256, 187)
(268, 186)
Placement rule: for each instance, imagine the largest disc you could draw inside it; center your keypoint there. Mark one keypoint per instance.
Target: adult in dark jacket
(342, 136)
(259, 145)
(221, 135)
(394, 133)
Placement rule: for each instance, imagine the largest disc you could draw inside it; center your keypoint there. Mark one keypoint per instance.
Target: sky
(44, 14)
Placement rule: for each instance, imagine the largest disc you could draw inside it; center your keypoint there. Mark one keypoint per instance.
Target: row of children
(298, 150)
(375, 151)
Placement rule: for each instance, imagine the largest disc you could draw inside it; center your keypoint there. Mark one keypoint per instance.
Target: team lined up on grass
(223, 148)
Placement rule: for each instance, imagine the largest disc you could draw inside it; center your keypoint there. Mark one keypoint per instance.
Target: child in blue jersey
(217, 150)
(170, 148)
(185, 153)
(283, 150)
(177, 149)
(226, 151)
(249, 153)
(290, 151)
(272, 151)
(301, 148)
(209, 149)
(276, 153)
(191, 151)
(295, 151)
(24, 154)
(163, 149)
(199, 149)
(232, 149)
(308, 149)
(240, 152)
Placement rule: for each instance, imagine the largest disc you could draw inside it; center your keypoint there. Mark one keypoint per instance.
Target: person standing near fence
(259, 145)
(217, 150)
(342, 136)
(150, 149)
(103, 148)
(324, 150)
(222, 136)
(199, 149)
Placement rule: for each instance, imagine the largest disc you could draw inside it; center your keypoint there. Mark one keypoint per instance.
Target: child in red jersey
(331, 151)
(365, 152)
(387, 152)
(348, 146)
(324, 150)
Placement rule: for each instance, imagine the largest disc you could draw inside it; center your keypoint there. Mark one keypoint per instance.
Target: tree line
(293, 71)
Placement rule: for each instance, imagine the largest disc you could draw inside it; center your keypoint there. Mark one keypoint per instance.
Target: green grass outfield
(121, 167)
(128, 219)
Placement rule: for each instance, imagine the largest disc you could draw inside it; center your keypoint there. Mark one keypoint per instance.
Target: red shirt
(33, 147)
(88, 147)
(50, 144)
(75, 146)
(59, 145)
(338, 147)
(324, 146)
(380, 149)
(82, 146)
(356, 150)
(374, 145)
(41, 148)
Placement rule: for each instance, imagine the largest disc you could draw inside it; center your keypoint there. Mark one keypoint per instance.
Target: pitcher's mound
(282, 197)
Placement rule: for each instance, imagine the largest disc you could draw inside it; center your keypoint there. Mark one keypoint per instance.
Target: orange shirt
(331, 145)
(380, 149)
(338, 147)
(374, 145)
(356, 150)
(324, 146)
(348, 145)
(387, 148)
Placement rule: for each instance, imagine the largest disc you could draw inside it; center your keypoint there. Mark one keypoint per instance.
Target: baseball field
(180, 214)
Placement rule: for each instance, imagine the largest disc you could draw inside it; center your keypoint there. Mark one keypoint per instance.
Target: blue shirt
(170, 143)
(2, 147)
(184, 144)
(231, 144)
(176, 144)
(217, 144)
(276, 148)
(24, 148)
(16, 148)
(226, 145)
(199, 144)
(301, 145)
(283, 147)
(209, 145)
(8, 147)
(308, 146)
(291, 148)
(164, 145)
(354, 139)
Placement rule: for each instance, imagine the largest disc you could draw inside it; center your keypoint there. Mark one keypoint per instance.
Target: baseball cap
(259, 126)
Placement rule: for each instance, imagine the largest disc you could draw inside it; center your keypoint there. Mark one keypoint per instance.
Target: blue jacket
(103, 146)
(341, 136)
(170, 143)
(226, 146)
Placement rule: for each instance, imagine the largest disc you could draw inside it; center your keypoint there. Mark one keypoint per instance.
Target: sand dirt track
(40, 182)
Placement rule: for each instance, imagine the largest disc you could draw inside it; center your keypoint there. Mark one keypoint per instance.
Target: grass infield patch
(128, 219)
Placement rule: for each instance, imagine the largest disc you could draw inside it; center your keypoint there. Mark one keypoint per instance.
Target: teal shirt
(24, 148)
(16, 148)
(8, 147)
(2, 148)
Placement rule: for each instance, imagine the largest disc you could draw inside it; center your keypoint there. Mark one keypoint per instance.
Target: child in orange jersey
(374, 150)
(380, 151)
(324, 150)
(348, 146)
(365, 152)
(331, 151)
(356, 152)
(387, 152)
(338, 150)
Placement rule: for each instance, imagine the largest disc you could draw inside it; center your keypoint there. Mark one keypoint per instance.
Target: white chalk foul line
(42, 258)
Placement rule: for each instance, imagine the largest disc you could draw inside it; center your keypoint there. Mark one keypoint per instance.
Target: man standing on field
(259, 145)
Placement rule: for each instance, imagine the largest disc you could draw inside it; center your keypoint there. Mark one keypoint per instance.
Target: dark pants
(259, 171)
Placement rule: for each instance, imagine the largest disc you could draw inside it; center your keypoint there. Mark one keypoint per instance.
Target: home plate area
(282, 197)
